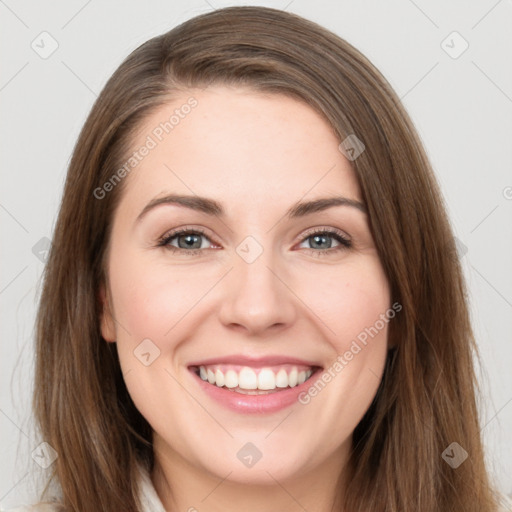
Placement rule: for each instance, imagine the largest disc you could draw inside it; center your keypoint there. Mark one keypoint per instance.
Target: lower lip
(241, 403)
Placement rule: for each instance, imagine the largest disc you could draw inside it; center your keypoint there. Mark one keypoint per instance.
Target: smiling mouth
(255, 381)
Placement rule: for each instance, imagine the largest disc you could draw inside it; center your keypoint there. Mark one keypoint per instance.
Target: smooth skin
(257, 155)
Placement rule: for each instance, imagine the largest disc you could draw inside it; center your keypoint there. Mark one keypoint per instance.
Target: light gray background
(461, 107)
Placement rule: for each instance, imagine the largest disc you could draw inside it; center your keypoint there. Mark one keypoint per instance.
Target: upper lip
(238, 359)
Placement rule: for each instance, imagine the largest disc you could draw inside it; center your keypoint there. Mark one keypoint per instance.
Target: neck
(183, 486)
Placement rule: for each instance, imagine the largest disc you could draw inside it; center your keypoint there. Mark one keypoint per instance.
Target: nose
(256, 296)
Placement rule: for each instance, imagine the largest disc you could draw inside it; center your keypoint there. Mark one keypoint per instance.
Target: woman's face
(255, 295)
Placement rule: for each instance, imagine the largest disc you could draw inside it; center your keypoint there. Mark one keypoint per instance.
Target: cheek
(153, 299)
(353, 301)
(148, 306)
(347, 298)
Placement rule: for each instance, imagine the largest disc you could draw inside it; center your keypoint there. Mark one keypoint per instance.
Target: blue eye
(323, 238)
(189, 241)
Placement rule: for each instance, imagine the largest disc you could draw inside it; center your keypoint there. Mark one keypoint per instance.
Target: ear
(107, 324)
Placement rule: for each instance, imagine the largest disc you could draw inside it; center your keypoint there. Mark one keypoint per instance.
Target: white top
(148, 496)
(151, 502)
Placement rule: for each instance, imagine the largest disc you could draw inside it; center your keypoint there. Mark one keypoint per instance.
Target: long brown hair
(426, 399)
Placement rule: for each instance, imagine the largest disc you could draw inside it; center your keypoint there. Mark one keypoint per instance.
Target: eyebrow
(215, 209)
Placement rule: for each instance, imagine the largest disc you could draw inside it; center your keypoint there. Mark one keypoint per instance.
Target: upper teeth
(248, 378)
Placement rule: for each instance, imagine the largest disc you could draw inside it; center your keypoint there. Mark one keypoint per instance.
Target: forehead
(239, 145)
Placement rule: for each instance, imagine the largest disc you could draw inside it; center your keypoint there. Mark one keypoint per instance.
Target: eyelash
(344, 242)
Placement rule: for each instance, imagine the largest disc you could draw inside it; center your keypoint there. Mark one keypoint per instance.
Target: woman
(252, 298)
